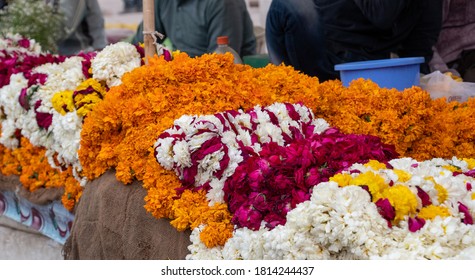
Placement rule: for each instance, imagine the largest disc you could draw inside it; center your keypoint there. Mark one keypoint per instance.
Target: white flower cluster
(343, 223)
(189, 144)
(114, 61)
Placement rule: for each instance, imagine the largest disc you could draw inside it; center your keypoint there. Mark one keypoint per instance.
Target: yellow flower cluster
(402, 199)
(83, 99)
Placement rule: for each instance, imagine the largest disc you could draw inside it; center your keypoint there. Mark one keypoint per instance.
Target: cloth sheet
(112, 223)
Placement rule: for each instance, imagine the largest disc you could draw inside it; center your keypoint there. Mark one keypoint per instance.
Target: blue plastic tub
(399, 73)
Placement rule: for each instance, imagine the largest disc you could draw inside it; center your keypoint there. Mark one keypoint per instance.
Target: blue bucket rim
(380, 63)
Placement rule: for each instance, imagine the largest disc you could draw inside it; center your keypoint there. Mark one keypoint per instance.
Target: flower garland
(30, 163)
(206, 150)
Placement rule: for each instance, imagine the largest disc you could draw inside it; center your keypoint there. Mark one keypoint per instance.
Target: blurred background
(121, 25)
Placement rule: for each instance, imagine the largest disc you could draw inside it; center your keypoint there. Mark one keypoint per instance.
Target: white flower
(181, 154)
(164, 152)
(320, 126)
(114, 61)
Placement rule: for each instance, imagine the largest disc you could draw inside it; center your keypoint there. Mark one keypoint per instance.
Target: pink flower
(24, 99)
(416, 224)
(258, 201)
(86, 63)
(167, 55)
(247, 216)
(385, 209)
(24, 43)
(425, 198)
(44, 120)
(467, 219)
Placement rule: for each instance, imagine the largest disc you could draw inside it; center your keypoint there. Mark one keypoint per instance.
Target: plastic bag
(440, 85)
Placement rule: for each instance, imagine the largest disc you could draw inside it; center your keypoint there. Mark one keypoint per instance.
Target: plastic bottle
(223, 48)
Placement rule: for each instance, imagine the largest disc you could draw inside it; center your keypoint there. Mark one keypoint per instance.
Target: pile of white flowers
(343, 223)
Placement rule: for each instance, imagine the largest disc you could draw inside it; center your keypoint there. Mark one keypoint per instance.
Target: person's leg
(295, 36)
(467, 66)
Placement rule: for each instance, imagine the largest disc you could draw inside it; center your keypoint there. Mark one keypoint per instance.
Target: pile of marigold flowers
(120, 132)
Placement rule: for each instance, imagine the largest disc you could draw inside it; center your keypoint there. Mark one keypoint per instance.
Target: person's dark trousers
(295, 36)
(466, 66)
(3, 3)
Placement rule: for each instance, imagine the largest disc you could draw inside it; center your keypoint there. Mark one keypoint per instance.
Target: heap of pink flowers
(267, 186)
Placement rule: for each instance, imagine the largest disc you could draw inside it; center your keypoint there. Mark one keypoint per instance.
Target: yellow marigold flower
(95, 85)
(442, 193)
(375, 165)
(451, 168)
(87, 95)
(216, 234)
(375, 183)
(188, 210)
(402, 199)
(432, 211)
(63, 102)
(470, 162)
(86, 104)
(402, 175)
(343, 179)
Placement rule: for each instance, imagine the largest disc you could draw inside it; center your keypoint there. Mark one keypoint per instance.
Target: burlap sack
(111, 223)
(40, 197)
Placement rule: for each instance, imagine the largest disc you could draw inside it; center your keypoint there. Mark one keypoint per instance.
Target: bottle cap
(222, 40)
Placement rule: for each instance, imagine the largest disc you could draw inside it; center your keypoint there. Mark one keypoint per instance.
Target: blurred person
(455, 49)
(315, 35)
(3, 3)
(84, 24)
(193, 26)
(132, 6)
